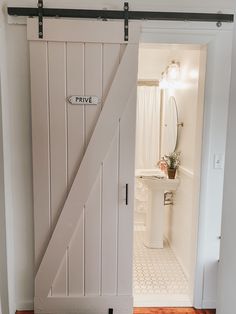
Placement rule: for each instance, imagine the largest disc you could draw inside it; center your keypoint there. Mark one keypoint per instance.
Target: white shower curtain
(147, 127)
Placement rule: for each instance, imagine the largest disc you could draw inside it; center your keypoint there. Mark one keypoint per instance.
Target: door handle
(126, 194)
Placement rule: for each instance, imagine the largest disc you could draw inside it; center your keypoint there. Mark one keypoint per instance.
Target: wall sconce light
(163, 81)
(171, 76)
(173, 71)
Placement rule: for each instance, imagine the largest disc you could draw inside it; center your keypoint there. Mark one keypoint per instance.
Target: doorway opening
(170, 102)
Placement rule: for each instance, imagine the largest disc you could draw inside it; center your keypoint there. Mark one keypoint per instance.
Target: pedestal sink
(157, 185)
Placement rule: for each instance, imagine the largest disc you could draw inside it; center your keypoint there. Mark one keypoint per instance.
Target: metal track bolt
(219, 23)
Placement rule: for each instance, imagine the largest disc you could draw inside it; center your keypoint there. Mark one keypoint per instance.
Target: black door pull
(126, 194)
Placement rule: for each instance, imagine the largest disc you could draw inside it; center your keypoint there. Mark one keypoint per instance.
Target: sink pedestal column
(156, 209)
(155, 220)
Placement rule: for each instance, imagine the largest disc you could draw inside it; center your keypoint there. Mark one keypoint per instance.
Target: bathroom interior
(170, 107)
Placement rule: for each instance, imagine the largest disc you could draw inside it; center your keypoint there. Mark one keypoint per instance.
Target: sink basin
(150, 172)
(155, 214)
(162, 184)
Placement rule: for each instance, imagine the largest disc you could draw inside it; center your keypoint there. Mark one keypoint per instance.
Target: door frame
(218, 42)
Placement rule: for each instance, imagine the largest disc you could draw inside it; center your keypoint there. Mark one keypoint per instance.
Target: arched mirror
(170, 126)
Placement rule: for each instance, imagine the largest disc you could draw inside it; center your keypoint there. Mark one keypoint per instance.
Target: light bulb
(163, 82)
(173, 71)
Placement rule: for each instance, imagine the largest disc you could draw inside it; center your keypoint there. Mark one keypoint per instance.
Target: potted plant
(173, 162)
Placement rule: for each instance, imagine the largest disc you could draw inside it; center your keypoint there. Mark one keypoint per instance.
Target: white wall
(6, 249)
(226, 301)
(18, 173)
(19, 103)
(3, 260)
(182, 226)
(17, 138)
(21, 167)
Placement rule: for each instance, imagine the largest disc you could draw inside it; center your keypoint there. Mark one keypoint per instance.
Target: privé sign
(83, 100)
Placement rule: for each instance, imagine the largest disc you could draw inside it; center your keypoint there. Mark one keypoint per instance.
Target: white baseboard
(84, 305)
(162, 300)
(209, 304)
(178, 259)
(144, 300)
(25, 305)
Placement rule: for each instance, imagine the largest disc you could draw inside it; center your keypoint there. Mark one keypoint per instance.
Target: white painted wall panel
(4, 305)
(17, 158)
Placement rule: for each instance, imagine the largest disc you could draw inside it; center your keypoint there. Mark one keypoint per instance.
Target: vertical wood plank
(93, 85)
(122, 50)
(58, 144)
(76, 148)
(40, 142)
(76, 123)
(59, 286)
(126, 176)
(93, 239)
(111, 58)
(58, 127)
(76, 261)
(109, 219)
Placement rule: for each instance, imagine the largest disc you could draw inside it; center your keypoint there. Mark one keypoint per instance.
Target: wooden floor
(185, 310)
(150, 310)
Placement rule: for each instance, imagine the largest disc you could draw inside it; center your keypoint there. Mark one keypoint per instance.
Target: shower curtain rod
(148, 83)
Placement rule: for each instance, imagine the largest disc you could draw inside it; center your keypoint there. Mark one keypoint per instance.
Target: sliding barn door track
(125, 15)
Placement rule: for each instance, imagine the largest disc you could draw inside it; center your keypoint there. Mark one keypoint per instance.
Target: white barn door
(83, 162)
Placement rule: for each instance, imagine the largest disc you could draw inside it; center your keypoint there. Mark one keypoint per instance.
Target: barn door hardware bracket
(40, 17)
(126, 21)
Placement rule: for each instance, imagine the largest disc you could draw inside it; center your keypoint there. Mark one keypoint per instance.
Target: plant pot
(171, 173)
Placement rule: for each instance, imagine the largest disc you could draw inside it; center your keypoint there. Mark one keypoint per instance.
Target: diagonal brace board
(122, 86)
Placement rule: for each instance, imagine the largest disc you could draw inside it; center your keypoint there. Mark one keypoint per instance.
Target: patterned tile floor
(157, 271)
